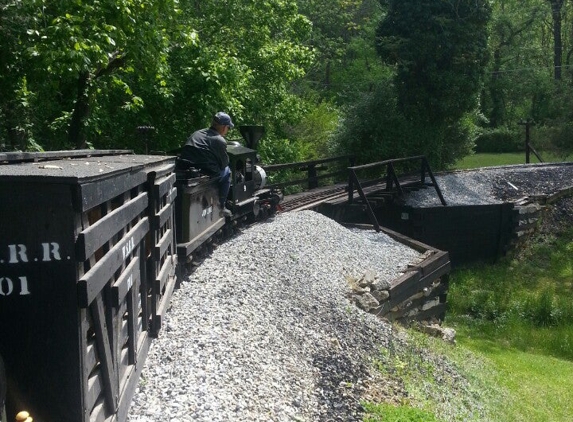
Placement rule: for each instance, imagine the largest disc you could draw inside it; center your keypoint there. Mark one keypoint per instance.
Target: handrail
(392, 181)
(284, 166)
(312, 168)
(393, 160)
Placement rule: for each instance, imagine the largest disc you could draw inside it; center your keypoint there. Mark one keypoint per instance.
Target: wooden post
(527, 123)
(312, 180)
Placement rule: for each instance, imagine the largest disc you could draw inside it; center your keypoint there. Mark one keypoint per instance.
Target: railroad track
(311, 199)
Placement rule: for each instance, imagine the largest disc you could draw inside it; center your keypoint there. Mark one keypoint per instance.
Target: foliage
(342, 31)
(390, 413)
(359, 70)
(427, 106)
(439, 50)
(553, 130)
(499, 140)
(525, 328)
(433, 379)
(315, 128)
(89, 73)
(76, 74)
(556, 137)
(513, 77)
(376, 130)
(69, 54)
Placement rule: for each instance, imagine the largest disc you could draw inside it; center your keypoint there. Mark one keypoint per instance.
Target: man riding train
(206, 149)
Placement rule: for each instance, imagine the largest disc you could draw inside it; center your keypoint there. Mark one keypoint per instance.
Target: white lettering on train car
(128, 248)
(17, 254)
(51, 250)
(207, 211)
(7, 286)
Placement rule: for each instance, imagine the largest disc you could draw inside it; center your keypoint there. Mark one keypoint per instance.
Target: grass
(538, 386)
(518, 314)
(514, 355)
(524, 301)
(514, 323)
(390, 413)
(487, 160)
(443, 382)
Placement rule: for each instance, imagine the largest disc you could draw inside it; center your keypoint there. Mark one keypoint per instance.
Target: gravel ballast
(263, 331)
(494, 185)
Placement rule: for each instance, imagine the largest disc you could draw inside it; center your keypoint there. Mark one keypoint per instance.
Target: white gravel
(493, 185)
(262, 330)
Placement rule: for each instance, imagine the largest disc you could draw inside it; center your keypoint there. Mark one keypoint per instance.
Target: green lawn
(518, 315)
(486, 160)
(539, 387)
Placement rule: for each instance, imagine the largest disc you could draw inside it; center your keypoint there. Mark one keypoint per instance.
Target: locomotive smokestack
(252, 135)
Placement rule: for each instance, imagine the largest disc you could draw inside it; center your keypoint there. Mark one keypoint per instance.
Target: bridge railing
(396, 183)
(333, 168)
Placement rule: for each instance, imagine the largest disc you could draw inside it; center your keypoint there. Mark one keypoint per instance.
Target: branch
(116, 61)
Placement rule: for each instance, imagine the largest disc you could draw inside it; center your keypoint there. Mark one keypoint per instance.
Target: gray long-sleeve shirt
(207, 150)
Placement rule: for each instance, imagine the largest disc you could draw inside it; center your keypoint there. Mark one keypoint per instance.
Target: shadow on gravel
(339, 388)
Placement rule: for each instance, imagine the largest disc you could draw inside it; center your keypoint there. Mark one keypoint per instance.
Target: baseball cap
(223, 119)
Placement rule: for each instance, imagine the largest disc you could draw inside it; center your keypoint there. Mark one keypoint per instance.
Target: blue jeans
(224, 185)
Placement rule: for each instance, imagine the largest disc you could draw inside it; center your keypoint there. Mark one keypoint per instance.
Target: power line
(529, 69)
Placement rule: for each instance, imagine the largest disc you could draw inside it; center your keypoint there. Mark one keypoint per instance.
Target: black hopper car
(92, 245)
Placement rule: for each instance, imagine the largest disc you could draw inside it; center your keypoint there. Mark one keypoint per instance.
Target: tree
(439, 49)
(15, 96)
(78, 73)
(244, 60)
(512, 27)
(69, 53)
(338, 27)
(556, 10)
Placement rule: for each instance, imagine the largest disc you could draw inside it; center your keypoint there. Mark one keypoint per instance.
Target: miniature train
(93, 245)
(197, 216)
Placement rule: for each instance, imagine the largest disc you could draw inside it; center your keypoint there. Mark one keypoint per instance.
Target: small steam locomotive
(197, 213)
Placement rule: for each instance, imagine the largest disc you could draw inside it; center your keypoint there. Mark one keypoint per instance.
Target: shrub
(375, 130)
(499, 140)
(557, 138)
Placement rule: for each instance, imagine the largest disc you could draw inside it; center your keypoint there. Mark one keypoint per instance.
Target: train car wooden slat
(104, 348)
(164, 215)
(163, 245)
(128, 278)
(93, 237)
(163, 185)
(94, 193)
(163, 275)
(94, 280)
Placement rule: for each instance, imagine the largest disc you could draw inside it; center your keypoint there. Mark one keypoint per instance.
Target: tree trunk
(76, 135)
(327, 75)
(496, 93)
(556, 6)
